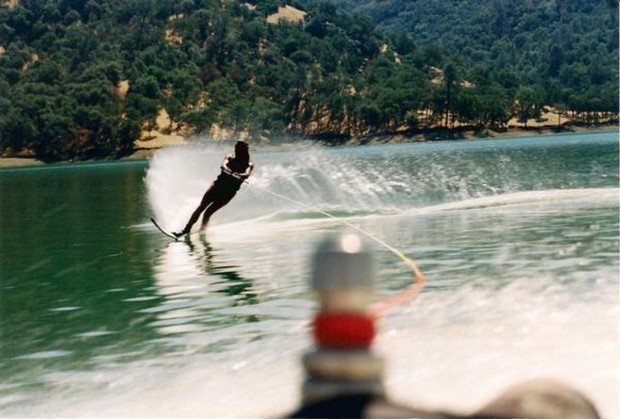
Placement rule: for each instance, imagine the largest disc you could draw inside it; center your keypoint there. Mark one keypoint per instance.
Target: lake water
(101, 315)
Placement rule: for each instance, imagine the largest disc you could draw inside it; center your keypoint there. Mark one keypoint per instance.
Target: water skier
(234, 170)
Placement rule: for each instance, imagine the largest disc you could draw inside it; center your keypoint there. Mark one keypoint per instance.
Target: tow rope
(383, 307)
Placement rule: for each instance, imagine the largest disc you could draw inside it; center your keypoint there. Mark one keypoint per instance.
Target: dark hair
(242, 154)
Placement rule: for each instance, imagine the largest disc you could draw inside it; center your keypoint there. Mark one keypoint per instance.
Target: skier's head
(242, 151)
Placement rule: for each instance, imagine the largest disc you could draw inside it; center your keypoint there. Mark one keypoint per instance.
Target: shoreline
(470, 133)
(456, 134)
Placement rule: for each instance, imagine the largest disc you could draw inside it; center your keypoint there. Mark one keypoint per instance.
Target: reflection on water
(195, 284)
(234, 285)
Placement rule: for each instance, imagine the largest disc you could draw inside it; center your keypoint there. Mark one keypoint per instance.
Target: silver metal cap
(343, 262)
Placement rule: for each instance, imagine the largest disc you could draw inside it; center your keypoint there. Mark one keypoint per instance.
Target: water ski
(163, 231)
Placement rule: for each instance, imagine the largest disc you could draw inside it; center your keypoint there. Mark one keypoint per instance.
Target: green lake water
(102, 315)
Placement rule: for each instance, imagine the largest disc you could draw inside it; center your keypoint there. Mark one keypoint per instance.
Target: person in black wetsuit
(234, 170)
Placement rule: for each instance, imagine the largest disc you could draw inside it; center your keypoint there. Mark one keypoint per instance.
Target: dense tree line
(556, 52)
(220, 62)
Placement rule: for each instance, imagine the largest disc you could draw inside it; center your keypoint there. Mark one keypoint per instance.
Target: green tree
(237, 113)
(128, 132)
(17, 131)
(529, 104)
(55, 139)
(450, 83)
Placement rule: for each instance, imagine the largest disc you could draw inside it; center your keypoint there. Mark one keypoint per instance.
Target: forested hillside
(565, 50)
(82, 79)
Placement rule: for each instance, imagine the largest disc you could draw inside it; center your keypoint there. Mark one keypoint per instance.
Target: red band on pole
(343, 330)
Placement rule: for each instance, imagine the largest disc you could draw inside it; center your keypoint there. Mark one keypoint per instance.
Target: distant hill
(82, 79)
(567, 49)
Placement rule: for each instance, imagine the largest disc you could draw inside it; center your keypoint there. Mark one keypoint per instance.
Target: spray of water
(346, 184)
(177, 178)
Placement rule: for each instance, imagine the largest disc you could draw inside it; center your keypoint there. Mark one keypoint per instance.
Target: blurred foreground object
(345, 380)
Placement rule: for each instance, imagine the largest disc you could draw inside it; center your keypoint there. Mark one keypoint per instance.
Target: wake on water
(380, 184)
